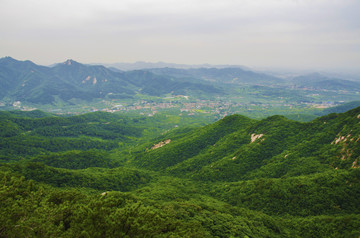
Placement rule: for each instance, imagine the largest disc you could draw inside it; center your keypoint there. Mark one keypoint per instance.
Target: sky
(291, 34)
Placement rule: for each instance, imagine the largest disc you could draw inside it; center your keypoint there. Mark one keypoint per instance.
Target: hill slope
(243, 148)
(238, 177)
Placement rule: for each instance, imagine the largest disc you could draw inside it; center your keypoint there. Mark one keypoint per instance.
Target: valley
(75, 88)
(97, 152)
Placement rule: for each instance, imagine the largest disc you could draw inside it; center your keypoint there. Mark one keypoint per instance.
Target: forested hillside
(108, 175)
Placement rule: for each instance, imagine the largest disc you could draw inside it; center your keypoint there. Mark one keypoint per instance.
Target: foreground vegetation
(102, 175)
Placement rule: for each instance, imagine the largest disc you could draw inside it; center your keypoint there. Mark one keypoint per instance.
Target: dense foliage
(106, 175)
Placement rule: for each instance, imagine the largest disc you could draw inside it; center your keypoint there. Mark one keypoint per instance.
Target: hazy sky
(304, 34)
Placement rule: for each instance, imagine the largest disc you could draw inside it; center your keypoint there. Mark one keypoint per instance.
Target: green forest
(109, 175)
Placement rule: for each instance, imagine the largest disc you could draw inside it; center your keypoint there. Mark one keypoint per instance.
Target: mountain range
(149, 65)
(26, 81)
(71, 82)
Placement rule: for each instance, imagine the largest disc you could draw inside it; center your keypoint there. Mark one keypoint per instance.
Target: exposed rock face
(161, 144)
(254, 137)
(341, 138)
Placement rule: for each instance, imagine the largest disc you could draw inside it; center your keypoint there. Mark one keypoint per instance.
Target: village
(181, 105)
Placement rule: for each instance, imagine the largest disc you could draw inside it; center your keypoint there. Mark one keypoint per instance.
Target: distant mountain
(214, 73)
(149, 65)
(319, 81)
(340, 109)
(308, 78)
(28, 82)
(222, 75)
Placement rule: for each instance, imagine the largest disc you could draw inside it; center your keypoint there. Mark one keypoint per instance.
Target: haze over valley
(72, 87)
(190, 118)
